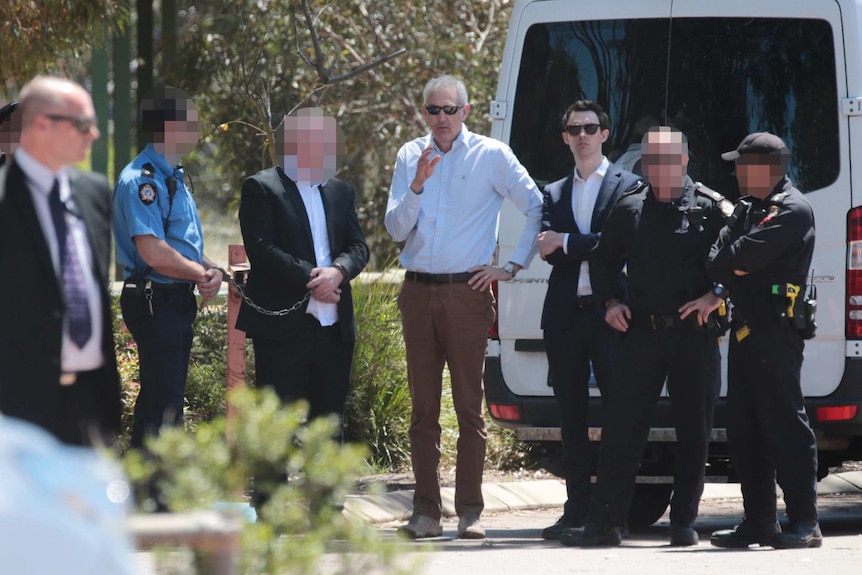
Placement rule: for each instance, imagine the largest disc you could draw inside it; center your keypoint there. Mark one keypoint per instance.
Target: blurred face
(757, 175)
(66, 131)
(584, 146)
(445, 127)
(664, 162)
(181, 136)
(311, 147)
(10, 132)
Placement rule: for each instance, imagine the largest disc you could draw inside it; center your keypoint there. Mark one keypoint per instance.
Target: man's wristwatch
(719, 291)
(510, 269)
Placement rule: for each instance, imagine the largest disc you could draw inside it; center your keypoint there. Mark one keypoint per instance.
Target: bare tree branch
(368, 66)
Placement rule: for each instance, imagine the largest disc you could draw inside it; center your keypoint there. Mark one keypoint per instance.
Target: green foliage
(205, 386)
(35, 36)
(378, 408)
(196, 470)
(245, 60)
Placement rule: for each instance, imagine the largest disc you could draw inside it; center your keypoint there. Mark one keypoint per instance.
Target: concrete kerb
(501, 497)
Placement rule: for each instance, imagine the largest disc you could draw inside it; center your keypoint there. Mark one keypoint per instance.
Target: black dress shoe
(553, 532)
(745, 534)
(591, 536)
(683, 536)
(799, 536)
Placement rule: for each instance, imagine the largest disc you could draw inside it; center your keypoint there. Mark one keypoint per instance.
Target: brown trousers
(446, 324)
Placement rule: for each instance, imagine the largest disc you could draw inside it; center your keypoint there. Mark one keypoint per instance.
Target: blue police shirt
(142, 206)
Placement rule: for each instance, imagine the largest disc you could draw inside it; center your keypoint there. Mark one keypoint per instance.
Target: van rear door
(717, 71)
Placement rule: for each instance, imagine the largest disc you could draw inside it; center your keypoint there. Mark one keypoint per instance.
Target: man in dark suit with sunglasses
(445, 200)
(57, 363)
(574, 210)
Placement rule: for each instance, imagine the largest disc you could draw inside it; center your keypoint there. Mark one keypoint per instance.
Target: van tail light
(836, 413)
(505, 412)
(853, 304)
(494, 332)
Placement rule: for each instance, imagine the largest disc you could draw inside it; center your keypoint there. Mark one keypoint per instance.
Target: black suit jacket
(562, 292)
(31, 301)
(277, 237)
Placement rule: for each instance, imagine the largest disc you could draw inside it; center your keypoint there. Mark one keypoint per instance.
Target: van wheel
(649, 503)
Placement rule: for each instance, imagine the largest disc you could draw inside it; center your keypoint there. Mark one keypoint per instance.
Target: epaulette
(778, 198)
(639, 187)
(725, 205)
(148, 170)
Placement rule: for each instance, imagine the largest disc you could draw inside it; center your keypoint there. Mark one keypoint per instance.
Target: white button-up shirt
(326, 313)
(40, 180)
(584, 196)
(452, 226)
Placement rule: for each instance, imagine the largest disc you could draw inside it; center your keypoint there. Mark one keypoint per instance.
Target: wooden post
(238, 268)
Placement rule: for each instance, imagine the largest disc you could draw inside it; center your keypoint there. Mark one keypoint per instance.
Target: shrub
(197, 470)
(378, 407)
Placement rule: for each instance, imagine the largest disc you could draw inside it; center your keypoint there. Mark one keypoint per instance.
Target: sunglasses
(448, 110)
(81, 123)
(575, 129)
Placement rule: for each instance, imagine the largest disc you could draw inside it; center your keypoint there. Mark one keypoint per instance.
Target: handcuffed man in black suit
(573, 213)
(302, 236)
(57, 363)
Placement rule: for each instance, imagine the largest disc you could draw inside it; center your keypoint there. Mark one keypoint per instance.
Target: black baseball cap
(7, 110)
(760, 144)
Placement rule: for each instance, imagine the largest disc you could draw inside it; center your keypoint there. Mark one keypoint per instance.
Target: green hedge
(378, 407)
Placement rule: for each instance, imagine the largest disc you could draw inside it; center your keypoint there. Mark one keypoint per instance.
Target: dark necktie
(74, 288)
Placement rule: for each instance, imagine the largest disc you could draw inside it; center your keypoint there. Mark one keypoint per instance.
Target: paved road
(513, 547)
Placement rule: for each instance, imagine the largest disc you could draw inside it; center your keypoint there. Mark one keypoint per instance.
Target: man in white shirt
(574, 210)
(444, 203)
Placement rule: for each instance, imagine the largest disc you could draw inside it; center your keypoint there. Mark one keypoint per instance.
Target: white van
(717, 71)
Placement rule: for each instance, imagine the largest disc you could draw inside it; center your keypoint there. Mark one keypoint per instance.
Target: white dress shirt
(40, 180)
(326, 313)
(452, 225)
(584, 196)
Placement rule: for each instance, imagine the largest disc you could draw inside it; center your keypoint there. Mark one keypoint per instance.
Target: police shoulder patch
(725, 205)
(147, 193)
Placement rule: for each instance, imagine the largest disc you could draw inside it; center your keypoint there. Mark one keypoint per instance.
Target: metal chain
(277, 313)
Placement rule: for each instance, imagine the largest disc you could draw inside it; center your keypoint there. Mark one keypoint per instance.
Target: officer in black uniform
(10, 130)
(662, 232)
(763, 257)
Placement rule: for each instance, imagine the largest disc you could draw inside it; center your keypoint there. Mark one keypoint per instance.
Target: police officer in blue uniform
(763, 257)
(160, 249)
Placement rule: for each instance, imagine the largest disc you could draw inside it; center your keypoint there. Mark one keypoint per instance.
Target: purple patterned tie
(74, 288)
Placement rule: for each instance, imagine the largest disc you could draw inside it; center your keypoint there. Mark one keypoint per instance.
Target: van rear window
(716, 79)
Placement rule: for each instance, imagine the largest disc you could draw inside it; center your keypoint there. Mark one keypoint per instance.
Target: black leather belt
(661, 322)
(424, 278)
(584, 301)
(176, 286)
